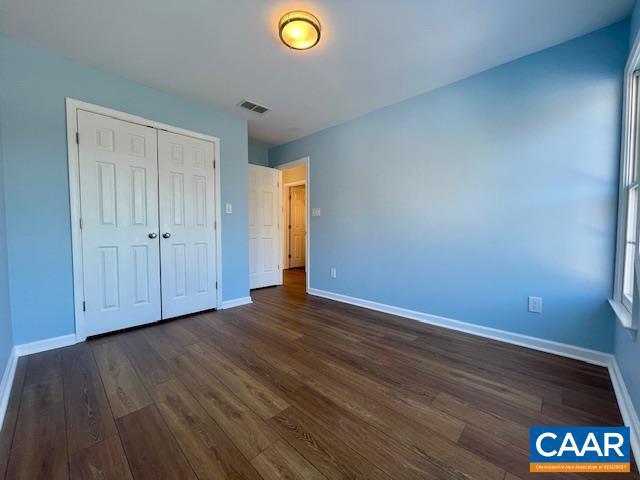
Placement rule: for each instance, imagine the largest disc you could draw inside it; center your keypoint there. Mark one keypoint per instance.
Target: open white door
(119, 218)
(264, 235)
(187, 224)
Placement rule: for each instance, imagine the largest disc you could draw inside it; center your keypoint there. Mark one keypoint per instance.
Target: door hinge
(289, 255)
(215, 224)
(214, 164)
(78, 138)
(216, 284)
(80, 223)
(289, 227)
(84, 306)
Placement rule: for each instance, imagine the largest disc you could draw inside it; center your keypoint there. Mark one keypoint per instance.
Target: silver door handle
(153, 235)
(166, 235)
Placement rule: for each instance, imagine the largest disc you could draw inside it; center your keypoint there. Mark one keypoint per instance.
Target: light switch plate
(315, 212)
(334, 273)
(228, 208)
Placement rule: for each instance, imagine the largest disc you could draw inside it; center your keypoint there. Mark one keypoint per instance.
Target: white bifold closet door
(148, 223)
(119, 204)
(187, 224)
(264, 231)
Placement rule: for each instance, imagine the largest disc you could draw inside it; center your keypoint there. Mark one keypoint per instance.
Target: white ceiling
(372, 52)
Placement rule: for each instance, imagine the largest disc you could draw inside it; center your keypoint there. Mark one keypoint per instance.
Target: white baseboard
(579, 353)
(627, 409)
(6, 383)
(19, 351)
(44, 345)
(236, 302)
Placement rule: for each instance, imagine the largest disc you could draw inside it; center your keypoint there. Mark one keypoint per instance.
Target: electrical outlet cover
(535, 304)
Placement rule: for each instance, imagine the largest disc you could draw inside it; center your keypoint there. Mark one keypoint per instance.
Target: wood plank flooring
(291, 387)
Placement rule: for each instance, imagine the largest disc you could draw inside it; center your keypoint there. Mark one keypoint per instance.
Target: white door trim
(72, 107)
(296, 184)
(303, 161)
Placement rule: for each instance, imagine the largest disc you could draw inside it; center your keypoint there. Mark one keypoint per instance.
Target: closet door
(119, 215)
(187, 224)
(264, 232)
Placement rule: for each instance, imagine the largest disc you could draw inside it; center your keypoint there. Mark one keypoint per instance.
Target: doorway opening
(295, 221)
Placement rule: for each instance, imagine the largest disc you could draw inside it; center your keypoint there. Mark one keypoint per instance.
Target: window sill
(623, 315)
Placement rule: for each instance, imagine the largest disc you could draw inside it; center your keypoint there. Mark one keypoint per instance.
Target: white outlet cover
(535, 304)
(334, 273)
(228, 208)
(315, 212)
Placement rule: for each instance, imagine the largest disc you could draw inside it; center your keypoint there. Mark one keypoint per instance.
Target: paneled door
(187, 224)
(264, 232)
(119, 223)
(297, 226)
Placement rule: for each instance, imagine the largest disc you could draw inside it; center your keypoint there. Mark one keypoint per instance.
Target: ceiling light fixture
(299, 30)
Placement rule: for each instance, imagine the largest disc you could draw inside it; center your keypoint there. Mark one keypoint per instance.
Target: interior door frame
(286, 217)
(73, 156)
(302, 161)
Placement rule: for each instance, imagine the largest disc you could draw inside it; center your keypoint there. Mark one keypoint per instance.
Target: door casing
(72, 107)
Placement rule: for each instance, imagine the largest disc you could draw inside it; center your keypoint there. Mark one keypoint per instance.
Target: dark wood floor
(292, 387)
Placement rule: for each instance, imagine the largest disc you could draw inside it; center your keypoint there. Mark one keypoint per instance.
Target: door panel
(298, 226)
(264, 237)
(119, 209)
(187, 216)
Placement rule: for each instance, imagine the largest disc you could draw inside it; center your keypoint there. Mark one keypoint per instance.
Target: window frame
(629, 179)
(630, 217)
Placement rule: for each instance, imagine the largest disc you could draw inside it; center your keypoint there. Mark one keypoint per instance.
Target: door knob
(166, 235)
(153, 235)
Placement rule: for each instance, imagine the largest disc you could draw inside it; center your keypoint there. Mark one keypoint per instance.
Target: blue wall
(627, 348)
(465, 200)
(33, 87)
(635, 23)
(6, 340)
(258, 153)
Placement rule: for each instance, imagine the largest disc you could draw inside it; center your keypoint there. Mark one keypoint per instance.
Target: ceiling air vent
(254, 107)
